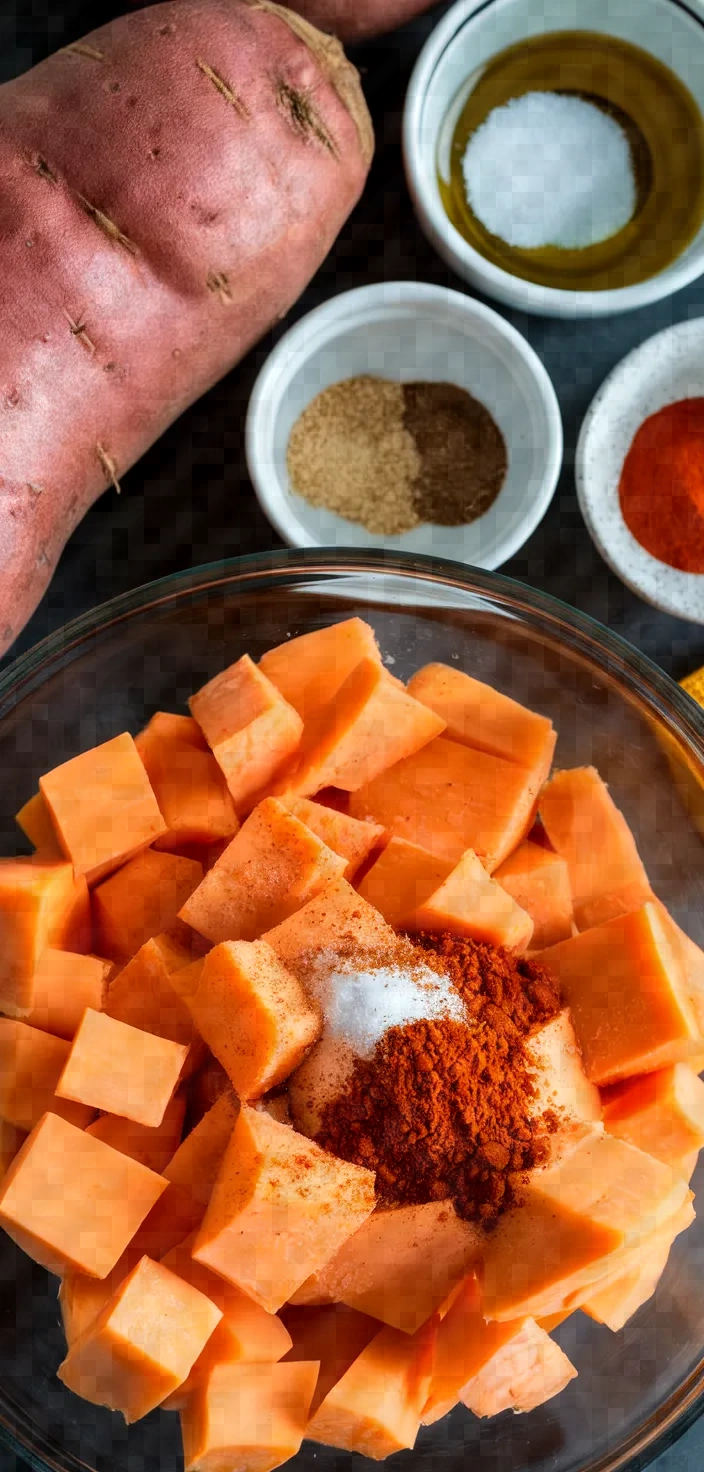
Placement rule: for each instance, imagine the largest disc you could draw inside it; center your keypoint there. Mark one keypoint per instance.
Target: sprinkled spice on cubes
(359, 1150)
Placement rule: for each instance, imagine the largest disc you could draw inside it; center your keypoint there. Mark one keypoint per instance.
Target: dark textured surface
(189, 500)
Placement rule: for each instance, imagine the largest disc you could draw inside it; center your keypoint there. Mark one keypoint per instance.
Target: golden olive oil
(665, 130)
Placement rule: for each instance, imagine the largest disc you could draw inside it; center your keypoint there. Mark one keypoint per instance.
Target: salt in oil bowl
(404, 331)
(453, 60)
(109, 671)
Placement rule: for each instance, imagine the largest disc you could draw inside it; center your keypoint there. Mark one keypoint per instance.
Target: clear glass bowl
(637, 1390)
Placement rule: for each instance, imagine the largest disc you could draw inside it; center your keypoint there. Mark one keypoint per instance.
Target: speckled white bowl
(665, 368)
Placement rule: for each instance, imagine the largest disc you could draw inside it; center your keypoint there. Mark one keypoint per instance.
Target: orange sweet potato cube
(402, 879)
(81, 1298)
(41, 904)
(344, 835)
(103, 807)
(415, 890)
(142, 900)
(492, 1367)
(246, 1331)
(337, 919)
(584, 825)
(616, 1300)
(72, 1202)
(662, 1113)
(31, 1064)
(624, 986)
(35, 821)
(479, 716)
(448, 798)
(332, 1334)
(254, 1015)
(187, 782)
(273, 865)
(143, 1344)
(538, 880)
(309, 670)
(64, 984)
(151, 1145)
(579, 1219)
(560, 1083)
(144, 995)
(469, 902)
(196, 1164)
(249, 1417)
(370, 724)
(120, 1069)
(251, 730)
(280, 1208)
(375, 1408)
(400, 1265)
(320, 1079)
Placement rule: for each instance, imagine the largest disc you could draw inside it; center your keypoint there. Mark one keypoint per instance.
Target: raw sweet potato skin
(353, 20)
(169, 185)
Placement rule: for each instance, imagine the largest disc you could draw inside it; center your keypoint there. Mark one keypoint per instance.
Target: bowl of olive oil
(556, 156)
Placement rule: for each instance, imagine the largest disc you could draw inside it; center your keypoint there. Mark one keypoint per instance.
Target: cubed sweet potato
(478, 715)
(264, 1228)
(584, 825)
(41, 904)
(120, 1069)
(187, 782)
(72, 1202)
(375, 1408)
(448, 798)
(143, 1344)
(102, 807)
(252, 730)
(400, 1265)
(142, 900)
(63, 985)
(143, 994)
(309, 670)
(254, 1015)
(272, 867)
(250, 1417)
(31, 1064)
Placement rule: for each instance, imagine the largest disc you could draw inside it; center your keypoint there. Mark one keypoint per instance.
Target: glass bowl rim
(579, 632)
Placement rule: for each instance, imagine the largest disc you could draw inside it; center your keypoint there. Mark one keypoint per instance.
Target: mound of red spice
(443, 1108)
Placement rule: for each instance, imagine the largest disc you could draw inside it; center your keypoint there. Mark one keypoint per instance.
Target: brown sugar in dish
(442, 1109)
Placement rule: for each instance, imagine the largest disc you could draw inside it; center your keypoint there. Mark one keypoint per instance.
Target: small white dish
(453, 58)
(406, 330)
(665, 368)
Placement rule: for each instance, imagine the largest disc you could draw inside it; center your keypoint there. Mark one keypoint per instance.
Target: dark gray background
(190, 501)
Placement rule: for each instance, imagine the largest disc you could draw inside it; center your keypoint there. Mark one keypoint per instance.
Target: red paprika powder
(662, 485)
(446, 1108)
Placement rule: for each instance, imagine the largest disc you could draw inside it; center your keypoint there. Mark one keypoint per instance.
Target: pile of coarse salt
(550, 168)
(359, 1006)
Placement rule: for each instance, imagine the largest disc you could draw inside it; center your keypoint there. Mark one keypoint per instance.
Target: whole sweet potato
(168, 186)
(353, 20)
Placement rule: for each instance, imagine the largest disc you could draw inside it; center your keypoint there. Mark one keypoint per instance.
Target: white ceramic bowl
(448, 67)
(403, 330)
(665, 368)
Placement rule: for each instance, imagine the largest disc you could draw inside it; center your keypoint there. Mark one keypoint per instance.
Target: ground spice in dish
(350, 452)
(443, 1108)
(661, 489)
(392, 455)
(463, 458)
